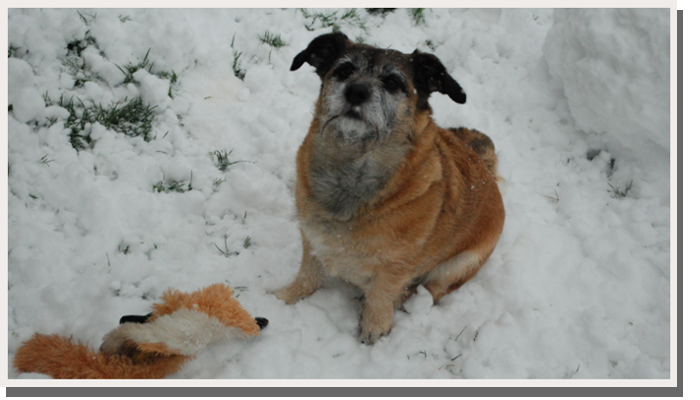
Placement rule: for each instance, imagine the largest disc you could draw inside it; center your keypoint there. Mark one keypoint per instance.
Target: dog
(386, 199)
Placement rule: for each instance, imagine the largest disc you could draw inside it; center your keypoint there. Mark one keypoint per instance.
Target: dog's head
(368, 92)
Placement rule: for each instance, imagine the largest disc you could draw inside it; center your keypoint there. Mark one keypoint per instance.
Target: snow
(576, 102)
(627, 69)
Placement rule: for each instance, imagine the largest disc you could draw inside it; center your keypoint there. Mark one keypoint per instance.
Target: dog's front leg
(380, 300)
(310, 277)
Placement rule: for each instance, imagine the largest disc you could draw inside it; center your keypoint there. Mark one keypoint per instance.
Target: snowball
(259, 77)
(94, 92)
(154, 91)
(98, 65)
(20, 76)
(177, 169)
(67, 81)
(28, 105)
(420, 302)
(55, 112)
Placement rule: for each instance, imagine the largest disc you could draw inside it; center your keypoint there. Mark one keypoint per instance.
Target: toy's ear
(429, 75)
(322, 52)
(135, 319)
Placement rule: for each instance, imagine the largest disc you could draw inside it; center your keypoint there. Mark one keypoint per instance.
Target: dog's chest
(340, 187)
(342, 253)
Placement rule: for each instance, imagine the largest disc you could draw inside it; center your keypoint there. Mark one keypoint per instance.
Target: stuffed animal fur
(145, 347)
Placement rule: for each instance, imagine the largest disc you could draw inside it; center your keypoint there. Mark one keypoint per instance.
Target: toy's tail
(61, 358)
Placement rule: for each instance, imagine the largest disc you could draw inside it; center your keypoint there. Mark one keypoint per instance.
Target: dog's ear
(322, 52)
(429, 75)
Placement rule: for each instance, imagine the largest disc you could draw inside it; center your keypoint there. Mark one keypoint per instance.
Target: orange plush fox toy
(145, 347)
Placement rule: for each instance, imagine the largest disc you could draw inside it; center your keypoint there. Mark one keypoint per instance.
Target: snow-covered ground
(576, 101)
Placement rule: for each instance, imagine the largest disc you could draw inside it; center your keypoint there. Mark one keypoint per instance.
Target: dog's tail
(482, 145)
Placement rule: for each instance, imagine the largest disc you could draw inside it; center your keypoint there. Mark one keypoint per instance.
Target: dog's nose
(356, 93)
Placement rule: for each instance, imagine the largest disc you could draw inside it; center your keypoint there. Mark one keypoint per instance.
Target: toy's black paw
(137, 319)
(262, 322)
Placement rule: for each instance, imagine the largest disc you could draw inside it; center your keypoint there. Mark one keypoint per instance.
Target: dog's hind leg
(453, 273)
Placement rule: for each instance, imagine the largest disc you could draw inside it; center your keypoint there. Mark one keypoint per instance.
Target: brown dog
(387, 200)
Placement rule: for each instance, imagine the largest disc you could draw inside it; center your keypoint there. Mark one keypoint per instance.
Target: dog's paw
(288, 294)
(370, 333)
(371, 337)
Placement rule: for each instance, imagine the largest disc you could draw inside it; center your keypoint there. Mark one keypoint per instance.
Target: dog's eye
(344, 71)
(392, 83)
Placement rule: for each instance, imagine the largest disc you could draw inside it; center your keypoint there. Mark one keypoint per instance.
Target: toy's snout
(262, 322)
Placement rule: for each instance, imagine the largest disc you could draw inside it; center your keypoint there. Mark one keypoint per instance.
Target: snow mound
(614, 67)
